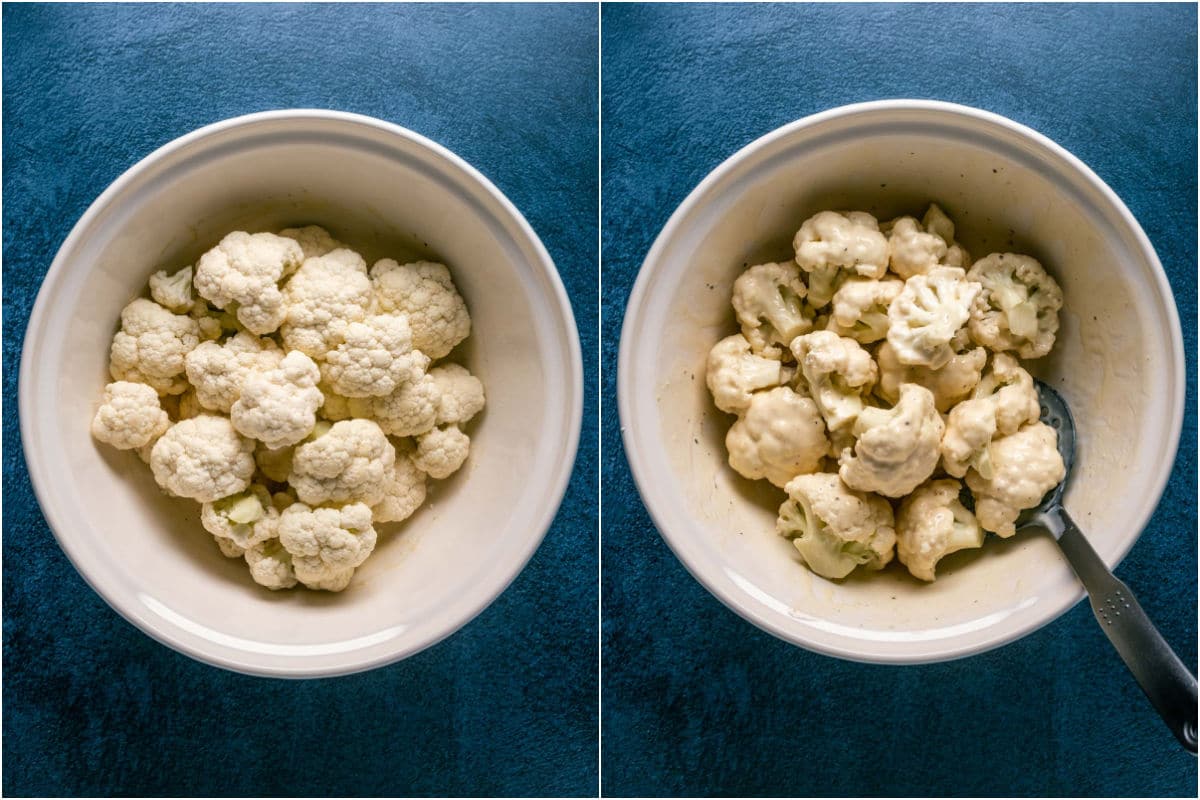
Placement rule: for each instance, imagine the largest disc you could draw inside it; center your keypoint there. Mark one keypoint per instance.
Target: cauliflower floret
(405, 488)
(347, 464)
(839, 372)
(936, 222)
(1017, 308)
(969, 428)
(425, 292)
(229, 548)
(950, 385)
(735, 373)
(327, 544)
(243, 271)
(246, 518)
(860, 308)
(151, 345)
(173, 292)
(218, 371)
(932, 524)
(927, 314)
(274, 463)
(1003, 401)
(768, 300)
(129, 416)
(373, 357)
(411, 410)
(203, 458)
(1010, 390)
(897, 448)
(270, 565)
(314, 240)
(1025, 466)
(830, 246)
(213, 322)
(279, 407)
(834, 528)
(441, 451)
(336, 407)
(779, 436)
(187, 405)
(325, 295)
(912, 250)
(461, 394)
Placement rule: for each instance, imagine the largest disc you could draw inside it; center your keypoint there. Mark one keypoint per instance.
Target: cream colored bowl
(1118, 362)
(388, 192)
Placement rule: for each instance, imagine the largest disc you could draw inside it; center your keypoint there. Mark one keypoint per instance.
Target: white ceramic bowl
(1118, 362)
(389, 192)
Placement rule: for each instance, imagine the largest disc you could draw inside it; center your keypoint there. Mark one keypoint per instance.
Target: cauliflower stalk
(834, 528)
(931, 525)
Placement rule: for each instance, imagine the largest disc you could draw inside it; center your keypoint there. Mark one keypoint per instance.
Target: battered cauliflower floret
(327, 544)
(735, 373)
(927, 314)
(860, 308)
(768, 300)
(348, 464)
(314, 240)
(1025, 466)
(912, 250)
(969, 428)
(151, 345)
(897, 449)
(274, 463)
(780, 435)
(411, 410)
(831, 246)
(243, 272)
(173, 291)
(218, 371)
(1011, 392)
(325, 295)
(834, 528)
(373, 357)
(203, 458)
(246, 518)
(270, 565)
(1017, 308)
(950, 385)
(460, 394)
(839, 373)
(425, 292)
(405, 489)
(129, 416)
(932, 524)
(936, 222)
(279, 407)
(441, 451)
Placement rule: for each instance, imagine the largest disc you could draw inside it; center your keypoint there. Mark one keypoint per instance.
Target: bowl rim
(627, 388)
(166, 631)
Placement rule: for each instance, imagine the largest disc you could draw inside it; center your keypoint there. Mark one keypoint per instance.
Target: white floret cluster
(878, 371)
(294, 394)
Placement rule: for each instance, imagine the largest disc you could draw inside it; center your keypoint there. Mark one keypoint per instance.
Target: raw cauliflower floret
(932, 524)
(835, 528)
(411, 410)
(130, 416)
(279, 407)
(270, 565)
(768, 301)
(1017, 308)
(441, 451)
(460, 394)
(173, 291)
(425, 292)
(1025, 466)
(151, 345)
(246, 518)
(969, 428)
(405, 489)
(735, 373)
(203, 458)
(348, 464)
(830, 246)
(373, 357)
(244, 271)
(274, 463)
(780, 435)
(913, 250)
(1011, 392)
(327, 544)
(218, 371)
(314, 240)
(897, 449)
(213, 322)
(927, 314)
(325, 295)
(336, 407)
(860, 308)
(838, 371)
(950, 384)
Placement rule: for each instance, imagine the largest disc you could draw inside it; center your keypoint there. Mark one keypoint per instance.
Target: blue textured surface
(92, 706)
(697, 701)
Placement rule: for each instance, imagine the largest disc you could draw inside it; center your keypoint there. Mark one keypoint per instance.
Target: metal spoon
(1168, 684)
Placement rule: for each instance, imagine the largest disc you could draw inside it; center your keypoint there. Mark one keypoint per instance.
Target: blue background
(696, 700)
(91, 705)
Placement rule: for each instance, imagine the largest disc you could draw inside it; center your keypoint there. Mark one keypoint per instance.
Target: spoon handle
(1168, 684)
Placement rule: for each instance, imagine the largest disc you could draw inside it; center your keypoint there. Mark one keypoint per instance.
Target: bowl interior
(384, 194)
(1006, 192)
